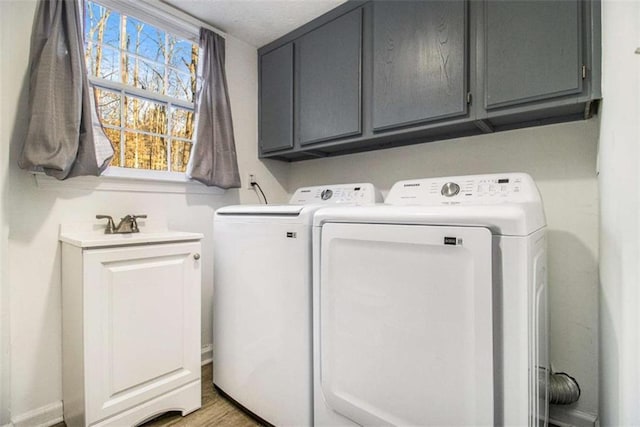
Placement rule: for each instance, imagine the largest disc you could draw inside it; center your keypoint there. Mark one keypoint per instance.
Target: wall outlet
(251, 179)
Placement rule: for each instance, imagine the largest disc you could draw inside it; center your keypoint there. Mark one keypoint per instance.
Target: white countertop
(91, 235)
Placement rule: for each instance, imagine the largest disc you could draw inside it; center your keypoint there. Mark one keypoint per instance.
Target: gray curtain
(61, 140)
(213, 158)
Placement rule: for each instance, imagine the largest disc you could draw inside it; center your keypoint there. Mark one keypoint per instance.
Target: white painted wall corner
(44, 416)
(206, 354)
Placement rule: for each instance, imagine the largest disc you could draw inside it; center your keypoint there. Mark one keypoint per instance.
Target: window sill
(118, 181)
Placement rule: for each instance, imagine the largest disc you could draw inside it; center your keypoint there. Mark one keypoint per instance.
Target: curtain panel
(213, 158)
(61, 140)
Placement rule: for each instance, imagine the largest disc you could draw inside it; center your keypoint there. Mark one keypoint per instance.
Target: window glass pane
(137, 152)
(182, 123)
(114, 137)
(181, 86)
(159, 153)
(144, 151)
(145, 40)
(180, 151)
(101, 26)
(108, 106)
(103, 62)
(145, 75)
(182, 55)
(145, 115)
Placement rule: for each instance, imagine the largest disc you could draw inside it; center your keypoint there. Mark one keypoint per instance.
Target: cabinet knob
(196, 256)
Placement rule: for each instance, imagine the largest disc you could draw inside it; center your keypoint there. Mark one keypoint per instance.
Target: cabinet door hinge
(469, 97)
(584, 72)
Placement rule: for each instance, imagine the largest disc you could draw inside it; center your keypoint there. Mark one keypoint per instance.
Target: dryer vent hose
(563, 389)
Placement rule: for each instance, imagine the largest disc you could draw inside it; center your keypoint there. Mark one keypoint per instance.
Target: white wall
(619, 231)
(34, 215)
(562, 160)
(7, 115)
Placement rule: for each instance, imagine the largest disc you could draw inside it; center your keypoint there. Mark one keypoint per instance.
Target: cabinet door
(142, 324)
(419, 61)
(532, 51)
(276, 99)
(329, 79)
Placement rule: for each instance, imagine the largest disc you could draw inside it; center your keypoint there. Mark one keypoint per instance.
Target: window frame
(167, 19)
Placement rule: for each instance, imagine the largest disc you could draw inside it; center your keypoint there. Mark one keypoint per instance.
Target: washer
(262, 301)
(432, 308)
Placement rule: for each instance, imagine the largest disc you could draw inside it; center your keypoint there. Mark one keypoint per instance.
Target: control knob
(450, 189)
(326, 194)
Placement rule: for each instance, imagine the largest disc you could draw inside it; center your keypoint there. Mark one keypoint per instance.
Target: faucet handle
(134, 222)
(110, 228)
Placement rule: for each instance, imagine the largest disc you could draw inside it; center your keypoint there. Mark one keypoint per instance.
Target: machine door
(405, 317)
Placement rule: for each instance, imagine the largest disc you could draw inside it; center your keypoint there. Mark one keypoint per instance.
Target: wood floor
(216, 410)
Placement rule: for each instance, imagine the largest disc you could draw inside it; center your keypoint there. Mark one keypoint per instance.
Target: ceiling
(257, 22)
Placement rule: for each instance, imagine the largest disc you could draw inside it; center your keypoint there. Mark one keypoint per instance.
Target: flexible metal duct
(563, 389)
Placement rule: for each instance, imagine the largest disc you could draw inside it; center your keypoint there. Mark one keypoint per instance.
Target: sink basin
(91, 235)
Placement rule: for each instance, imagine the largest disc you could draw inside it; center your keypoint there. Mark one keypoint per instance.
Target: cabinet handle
(196, 256)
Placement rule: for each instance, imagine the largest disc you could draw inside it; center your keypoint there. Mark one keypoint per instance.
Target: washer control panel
(361, 193)
(470, 189)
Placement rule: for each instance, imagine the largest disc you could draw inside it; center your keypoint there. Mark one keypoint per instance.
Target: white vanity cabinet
(130, 326)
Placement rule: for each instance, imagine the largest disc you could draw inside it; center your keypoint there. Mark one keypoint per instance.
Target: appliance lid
(262, 210)
(309, 199)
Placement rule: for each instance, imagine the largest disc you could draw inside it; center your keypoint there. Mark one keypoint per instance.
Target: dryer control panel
(360, 193)
(469, 189)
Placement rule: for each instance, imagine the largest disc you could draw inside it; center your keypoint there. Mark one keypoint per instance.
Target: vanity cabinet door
(419, 62)
(329, 80)
(142, 324)
(276, 99)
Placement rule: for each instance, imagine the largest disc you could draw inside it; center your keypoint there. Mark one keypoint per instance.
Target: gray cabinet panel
(329, 62)
(419, 61)
(276, 99)
(532, 50)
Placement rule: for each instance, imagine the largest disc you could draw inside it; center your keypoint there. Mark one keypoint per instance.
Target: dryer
(432, 308)
(262, 301)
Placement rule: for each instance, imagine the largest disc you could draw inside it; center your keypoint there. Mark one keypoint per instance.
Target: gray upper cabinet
(328, 62)
(533, 51)
(383, 73)
(419, 61)
(276, 99)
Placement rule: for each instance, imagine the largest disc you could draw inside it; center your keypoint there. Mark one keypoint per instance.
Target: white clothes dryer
(262, 301)
(432, 309)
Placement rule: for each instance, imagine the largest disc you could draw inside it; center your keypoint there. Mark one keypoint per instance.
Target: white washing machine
(262, 301)
(431, 310)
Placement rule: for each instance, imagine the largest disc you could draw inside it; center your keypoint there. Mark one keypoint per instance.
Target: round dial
(450, 189)
(326, 194)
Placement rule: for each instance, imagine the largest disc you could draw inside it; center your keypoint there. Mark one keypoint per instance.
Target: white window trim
(142, 180)
(111, 180)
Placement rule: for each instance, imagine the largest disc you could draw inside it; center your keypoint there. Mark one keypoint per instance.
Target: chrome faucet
(128, 224)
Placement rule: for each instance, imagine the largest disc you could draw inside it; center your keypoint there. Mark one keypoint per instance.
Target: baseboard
(568, 417)
(44, 416)
(52, 414)
(206, 354)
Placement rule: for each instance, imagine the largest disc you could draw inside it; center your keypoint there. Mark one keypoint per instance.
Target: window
(145, 81)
